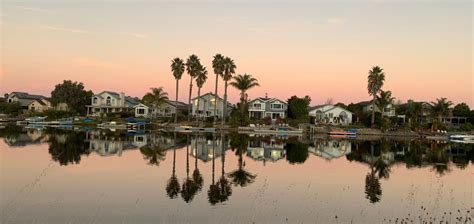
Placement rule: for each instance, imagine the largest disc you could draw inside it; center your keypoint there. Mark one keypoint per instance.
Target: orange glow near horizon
(323, 50)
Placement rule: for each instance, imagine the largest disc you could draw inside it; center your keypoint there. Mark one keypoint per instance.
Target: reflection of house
(267, 107)
(207, 104)
(386, 157)
(106, 145)
(330, 114)
(388, 111)
(266, 149)
(203, 148)
(110, 102)
(167, 109)
(331, 148)
(31, 136)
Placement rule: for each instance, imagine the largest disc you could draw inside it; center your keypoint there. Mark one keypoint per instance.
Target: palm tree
(173, 188)
(375, 82)
(213, 192)
(229, 70)
(153, 153)
(201, 78)
(177, 67)
(414, 110)
(225, 189)
(197, 177)
(373, 189)
(156, 97)
(218, 66)
(440, 108)
(384, 100)
(244, 83)
(192, 67)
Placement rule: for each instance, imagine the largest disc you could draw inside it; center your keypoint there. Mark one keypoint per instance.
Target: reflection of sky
(126, 189)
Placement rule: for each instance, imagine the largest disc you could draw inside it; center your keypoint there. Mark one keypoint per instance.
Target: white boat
(193, 129)
(462, 138)
(112, 125)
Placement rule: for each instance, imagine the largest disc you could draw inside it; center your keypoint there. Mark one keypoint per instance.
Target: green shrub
(466, 127)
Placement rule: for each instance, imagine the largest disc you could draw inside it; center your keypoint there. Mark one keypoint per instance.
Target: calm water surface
(92, 176)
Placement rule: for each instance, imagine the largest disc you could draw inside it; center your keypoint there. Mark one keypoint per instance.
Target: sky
(323, 49)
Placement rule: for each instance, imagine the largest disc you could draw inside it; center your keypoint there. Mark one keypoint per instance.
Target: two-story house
(37, 103)
(110, 102)
(267, 107)
(207, 106)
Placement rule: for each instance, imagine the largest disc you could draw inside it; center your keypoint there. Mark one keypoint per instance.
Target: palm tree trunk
(197, 107)
(176, 104)
(215, 99)
(187, 159)
(213, 157)
(373, 112)
(242, 107)
(223, 152)
(190, 109)
(224, 115)
(174, 156)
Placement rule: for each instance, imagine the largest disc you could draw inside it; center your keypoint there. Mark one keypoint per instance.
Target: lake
(94, 176)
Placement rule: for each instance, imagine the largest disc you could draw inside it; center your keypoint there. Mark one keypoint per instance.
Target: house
(166, 109)
(266, 149)
(25, 99)
(331, 148)
(42, 105)
(263, 107)
(330, 114)
(207, 106)
(110, 102)
(205, 149)
(388, 111)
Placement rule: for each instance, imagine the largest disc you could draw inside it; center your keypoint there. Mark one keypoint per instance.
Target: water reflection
(68, 147)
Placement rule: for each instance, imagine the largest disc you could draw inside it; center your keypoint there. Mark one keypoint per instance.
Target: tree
(296, 151)
(177, 67)
(229, 71)
(218, 64)
(440, 108)
(13, 108)
(73, 94)
(189, 188)
(375, 82)
(67, 147)
(153, 153)
(240, 177)
(244, 83)
(201, 78)
(298, 107)
(385, 99)
(192, 67)
(156, 97)
(461, 110)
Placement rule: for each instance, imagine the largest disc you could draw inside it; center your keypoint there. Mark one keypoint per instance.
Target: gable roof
(108, 92)
(132, 100)
(332, 107)
(24, 95)
(266, 100)
(211, 94)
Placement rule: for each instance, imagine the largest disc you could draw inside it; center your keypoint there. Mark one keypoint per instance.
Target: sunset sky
(323, 49)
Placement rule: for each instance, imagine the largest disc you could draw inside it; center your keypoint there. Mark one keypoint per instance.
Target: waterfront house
(42, 105)
(25, 99)
(388, 111)
(110, 102)
(207, 105)
(263, 107)
(166, 109)
(330, 114)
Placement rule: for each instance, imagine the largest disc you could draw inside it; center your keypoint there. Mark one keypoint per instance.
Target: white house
(267, 107)
(331, 148)
(41, 105)
(207, 105)
(166, 109)
(141, 110)
(330, 114)
(110, 102)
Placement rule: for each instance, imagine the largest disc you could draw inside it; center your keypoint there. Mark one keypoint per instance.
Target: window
(94, 101)
(331, 115)
(141, 111)
(276, 106)
(213, 102)
(10, 100)
(109, 101)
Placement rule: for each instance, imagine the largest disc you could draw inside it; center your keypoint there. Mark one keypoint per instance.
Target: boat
(35, 120)
(462, 138)
(188, 129)
(270, 131)
(343, 133)
(112, 125)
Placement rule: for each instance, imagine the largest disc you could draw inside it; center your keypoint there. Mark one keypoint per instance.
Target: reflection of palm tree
(197, 177)
(224, 184)
(241, 177)
(189, 189)
(173, 188)
(213, 192)
(153, 153)
(373, 189)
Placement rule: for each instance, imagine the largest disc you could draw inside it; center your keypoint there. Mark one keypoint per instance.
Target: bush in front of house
(466, 127)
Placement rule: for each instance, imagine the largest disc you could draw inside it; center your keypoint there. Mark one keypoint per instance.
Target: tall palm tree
(384, 100)
(156, 97)
(218, 66)
(375, 82)
(192, 67)
(229, 71)
(201, 78)
(177, 67)
(173, 188)
(244, 83)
